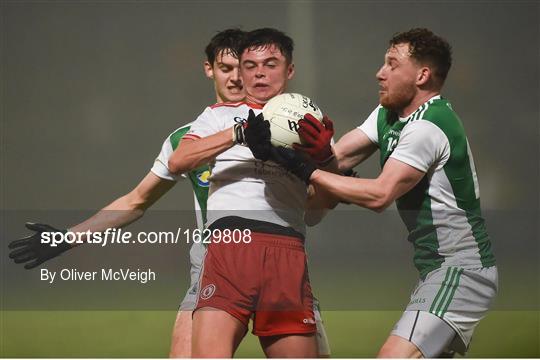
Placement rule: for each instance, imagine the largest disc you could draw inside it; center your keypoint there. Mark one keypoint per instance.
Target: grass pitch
(147, 334)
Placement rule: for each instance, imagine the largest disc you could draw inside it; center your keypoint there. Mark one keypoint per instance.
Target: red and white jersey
(241, 185)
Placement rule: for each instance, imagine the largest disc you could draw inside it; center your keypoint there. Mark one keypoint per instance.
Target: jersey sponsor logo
(392, 134)
(239, 120)
(263, 169)
(202, 178)
(208, 291)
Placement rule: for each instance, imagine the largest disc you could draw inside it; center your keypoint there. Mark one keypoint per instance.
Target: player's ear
(423, 76)
(208, 70)
(290, 71)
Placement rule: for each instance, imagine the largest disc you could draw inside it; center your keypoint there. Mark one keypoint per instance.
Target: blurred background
(91, 89)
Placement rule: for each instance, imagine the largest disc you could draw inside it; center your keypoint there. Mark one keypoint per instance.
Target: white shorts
(450, 301)
(196, 256)
(322, 340)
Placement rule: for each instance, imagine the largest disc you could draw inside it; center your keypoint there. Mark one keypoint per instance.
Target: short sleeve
(422, 145)
(161, 167)
(369, 127)
(205, 125)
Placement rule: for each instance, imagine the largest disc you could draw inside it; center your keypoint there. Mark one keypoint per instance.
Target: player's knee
(396, 347)
(295, 346)
(388, 351)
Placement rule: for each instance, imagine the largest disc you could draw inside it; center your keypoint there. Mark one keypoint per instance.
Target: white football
(283, 112)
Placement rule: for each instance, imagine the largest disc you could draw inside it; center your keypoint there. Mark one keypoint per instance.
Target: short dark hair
(228, 40)
(264, 37)
(427, 48)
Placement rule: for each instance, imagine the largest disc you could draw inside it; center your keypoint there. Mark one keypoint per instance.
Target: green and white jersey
(442, 212)
(198, 177)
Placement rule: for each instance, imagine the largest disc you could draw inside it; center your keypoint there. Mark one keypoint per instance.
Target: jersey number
(392, 142)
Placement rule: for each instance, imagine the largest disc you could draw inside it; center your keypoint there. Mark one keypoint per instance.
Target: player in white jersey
(428, 169)
(222, 67)
(239, 282)
(181, 341)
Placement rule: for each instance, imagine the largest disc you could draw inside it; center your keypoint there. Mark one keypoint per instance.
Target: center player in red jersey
(266, 279)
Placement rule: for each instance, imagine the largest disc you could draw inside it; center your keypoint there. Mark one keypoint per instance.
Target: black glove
(257, 136)
(293, 161)
(31, 248)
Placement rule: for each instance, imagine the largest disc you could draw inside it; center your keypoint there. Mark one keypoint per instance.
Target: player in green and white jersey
(446, 203)
(428, 169)
(181, 339)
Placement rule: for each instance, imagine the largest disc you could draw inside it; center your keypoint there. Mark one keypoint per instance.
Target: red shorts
(266, 278)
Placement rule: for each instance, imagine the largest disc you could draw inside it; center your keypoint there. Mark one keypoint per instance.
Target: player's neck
(418, 100)
(253, 100)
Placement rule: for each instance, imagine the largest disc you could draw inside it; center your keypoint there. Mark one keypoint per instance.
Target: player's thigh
(215, 333)
(181, 336)
(398, 347)
(287, 346)
(419, 333)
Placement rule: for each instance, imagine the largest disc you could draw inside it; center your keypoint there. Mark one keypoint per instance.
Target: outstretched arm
(124, 210)
(129, 207)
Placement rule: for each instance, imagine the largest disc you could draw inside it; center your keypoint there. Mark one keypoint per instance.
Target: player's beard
(399, 98)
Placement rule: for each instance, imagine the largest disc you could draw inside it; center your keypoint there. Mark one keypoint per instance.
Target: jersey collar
(254, 105)
(420, 108)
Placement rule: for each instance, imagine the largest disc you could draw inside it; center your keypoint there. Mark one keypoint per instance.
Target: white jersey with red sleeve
(243, 186)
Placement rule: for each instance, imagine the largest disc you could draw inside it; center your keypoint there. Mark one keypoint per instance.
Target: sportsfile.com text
(120, 236)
